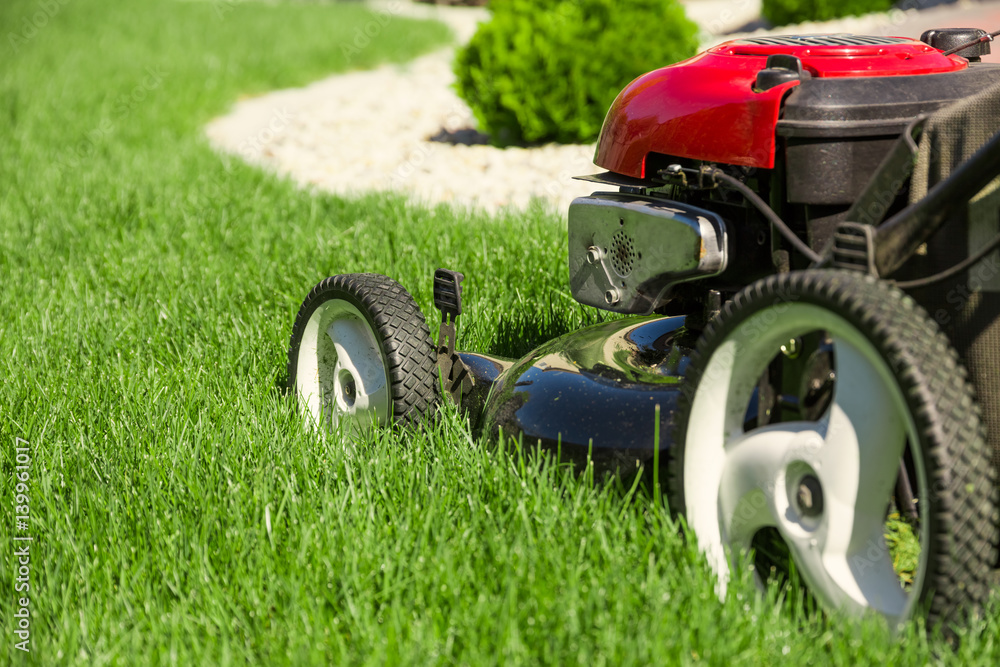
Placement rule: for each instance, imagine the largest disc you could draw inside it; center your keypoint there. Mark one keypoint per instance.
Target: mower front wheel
(880, 486)
(361, 354)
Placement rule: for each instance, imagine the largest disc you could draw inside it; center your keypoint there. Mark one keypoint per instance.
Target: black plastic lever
(457, 380)
(448, 293)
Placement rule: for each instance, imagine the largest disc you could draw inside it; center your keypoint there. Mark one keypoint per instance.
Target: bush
(784, 12)
(548, 71)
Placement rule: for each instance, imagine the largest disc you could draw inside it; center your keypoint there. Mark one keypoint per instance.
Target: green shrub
(784, 12)
(548, 71)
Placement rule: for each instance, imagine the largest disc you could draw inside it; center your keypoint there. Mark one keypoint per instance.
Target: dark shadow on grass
(520, 331)
(470, 136)
(281, 382)
(465, 136)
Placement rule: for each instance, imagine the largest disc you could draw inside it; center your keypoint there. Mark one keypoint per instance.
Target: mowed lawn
(181, 513)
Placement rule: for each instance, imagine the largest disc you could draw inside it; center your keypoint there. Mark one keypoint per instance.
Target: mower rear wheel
(827, 480)
(361, 354)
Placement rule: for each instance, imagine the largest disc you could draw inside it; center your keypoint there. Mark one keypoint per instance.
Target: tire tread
(965, 520)
(402, 331)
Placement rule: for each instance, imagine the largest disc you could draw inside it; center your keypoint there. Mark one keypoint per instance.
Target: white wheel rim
(340, 374)
(737, 482)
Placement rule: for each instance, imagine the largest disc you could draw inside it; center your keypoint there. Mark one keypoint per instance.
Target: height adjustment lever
(854, 248)
(448, 299)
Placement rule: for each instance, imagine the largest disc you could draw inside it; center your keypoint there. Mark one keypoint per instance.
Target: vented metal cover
(622, 253)
(626, 252)
(824, 40)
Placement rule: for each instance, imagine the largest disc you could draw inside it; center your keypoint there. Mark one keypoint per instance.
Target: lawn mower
(801, 233)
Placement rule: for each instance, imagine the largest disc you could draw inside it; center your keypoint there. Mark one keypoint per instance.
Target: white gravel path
(369, 130)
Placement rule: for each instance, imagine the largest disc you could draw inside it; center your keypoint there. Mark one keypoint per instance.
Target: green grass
(904, 547)
(181, 512)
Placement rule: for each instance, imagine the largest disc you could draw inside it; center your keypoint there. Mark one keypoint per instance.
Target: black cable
(965, 264)
(979, 40)
(769, 213)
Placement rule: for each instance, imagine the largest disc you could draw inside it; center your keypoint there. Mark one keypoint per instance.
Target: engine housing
(825, 108)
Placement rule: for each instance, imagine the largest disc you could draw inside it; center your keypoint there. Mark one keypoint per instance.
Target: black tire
(879, 333)
(386, 328)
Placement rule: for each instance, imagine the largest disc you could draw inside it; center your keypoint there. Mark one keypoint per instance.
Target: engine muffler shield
(627, 251)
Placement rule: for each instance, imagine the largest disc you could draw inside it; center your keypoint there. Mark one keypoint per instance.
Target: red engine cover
(705, 108)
